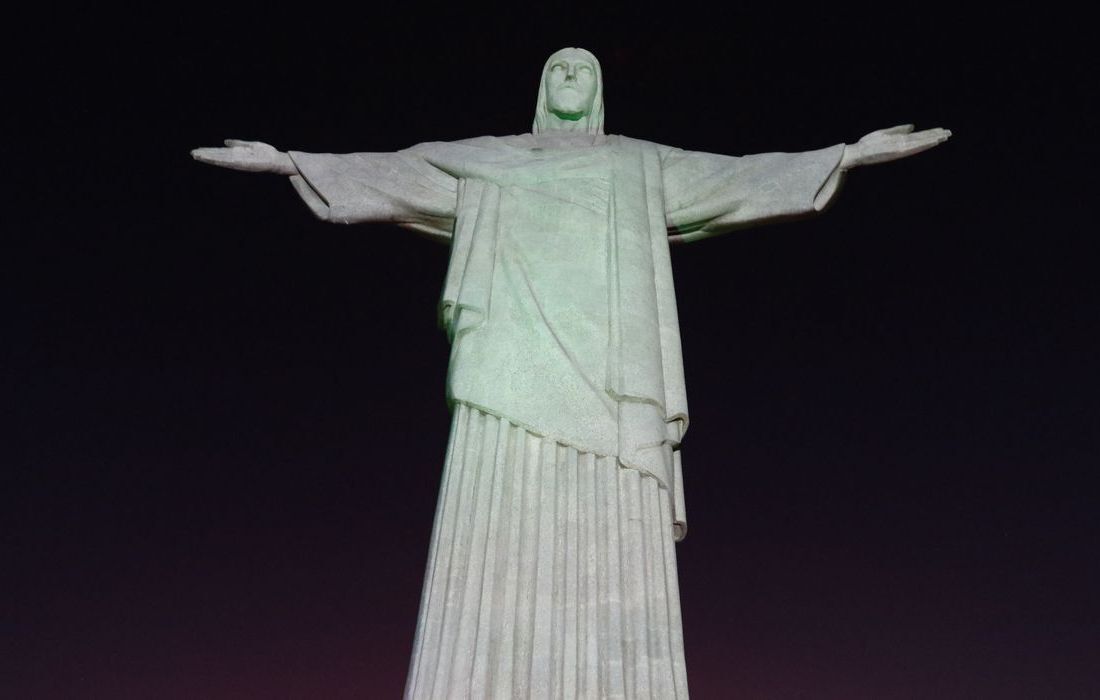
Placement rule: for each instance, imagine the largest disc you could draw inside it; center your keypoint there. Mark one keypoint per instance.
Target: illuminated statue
(552, 569)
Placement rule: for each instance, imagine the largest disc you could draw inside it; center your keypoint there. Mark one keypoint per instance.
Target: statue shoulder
(476, 148)
(639, 144)
(626, 140)
(513, 141)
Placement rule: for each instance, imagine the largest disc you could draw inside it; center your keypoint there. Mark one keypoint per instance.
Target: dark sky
(224, 420)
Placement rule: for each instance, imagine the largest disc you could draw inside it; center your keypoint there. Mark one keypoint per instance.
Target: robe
(559, 297)
(552, 567)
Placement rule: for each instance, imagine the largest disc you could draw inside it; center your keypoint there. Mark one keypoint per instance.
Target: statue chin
(568, 105)
(569, 116)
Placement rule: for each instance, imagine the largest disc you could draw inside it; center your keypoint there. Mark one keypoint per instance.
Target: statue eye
(557, 66)
(585, 67)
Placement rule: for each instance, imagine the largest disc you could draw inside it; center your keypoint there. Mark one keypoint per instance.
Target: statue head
(570, 93)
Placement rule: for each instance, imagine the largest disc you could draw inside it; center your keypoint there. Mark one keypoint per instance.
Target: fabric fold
(559, 298)
(551, 574)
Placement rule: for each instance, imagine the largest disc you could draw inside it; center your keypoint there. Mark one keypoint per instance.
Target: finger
(940, 135)
(899, 129)
(207, 155)
(933, 137)
(912, 146)
(222, 157)
(237, 143)
(916, 148)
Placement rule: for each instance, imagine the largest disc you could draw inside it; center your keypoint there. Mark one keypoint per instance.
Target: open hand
(890, 144)
(250, 156)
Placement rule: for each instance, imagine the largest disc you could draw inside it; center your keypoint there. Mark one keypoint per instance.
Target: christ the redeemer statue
(552, 568)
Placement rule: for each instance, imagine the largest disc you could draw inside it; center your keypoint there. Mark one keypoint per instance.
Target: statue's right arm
(400, 188)
(250, 156)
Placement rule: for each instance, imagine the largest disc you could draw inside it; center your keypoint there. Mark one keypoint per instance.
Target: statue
(552, 568)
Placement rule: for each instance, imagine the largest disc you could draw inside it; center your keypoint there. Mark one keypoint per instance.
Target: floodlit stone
(552, 570)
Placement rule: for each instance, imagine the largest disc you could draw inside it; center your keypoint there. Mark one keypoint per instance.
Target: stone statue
(552, 569)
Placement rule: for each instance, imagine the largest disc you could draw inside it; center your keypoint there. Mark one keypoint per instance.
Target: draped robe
(552, 570)
(559, 298)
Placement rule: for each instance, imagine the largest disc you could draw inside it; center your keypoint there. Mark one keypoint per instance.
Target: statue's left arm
(708, 194)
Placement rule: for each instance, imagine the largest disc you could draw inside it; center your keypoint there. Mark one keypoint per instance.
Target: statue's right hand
(250, 156)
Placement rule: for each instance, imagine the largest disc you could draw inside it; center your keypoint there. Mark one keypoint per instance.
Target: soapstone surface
(552, 568)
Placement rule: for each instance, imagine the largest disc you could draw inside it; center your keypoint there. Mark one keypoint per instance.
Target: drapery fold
(551, 574)
(552, 565)
(559, 297)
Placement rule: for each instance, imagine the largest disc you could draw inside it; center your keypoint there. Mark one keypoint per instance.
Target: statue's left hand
(250, 156)
(890, 144)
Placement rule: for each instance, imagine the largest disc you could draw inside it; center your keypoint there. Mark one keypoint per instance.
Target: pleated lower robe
(551, 574)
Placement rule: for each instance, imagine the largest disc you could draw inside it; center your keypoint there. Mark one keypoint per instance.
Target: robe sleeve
(400, 188)
(708, 194)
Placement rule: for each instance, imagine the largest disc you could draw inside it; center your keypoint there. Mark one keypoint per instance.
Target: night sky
(224, 422)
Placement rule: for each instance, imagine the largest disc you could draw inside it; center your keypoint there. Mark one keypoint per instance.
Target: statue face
(570, 85)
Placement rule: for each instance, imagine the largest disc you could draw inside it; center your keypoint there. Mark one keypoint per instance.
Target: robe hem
(679, 525)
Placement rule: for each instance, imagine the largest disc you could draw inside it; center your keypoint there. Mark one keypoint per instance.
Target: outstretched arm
(879, 147)
(891, 144)
(400, 188)
(708, 194)
(250, 156)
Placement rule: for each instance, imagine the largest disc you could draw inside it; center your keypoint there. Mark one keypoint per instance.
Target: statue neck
(556, 123)
(568, 139)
